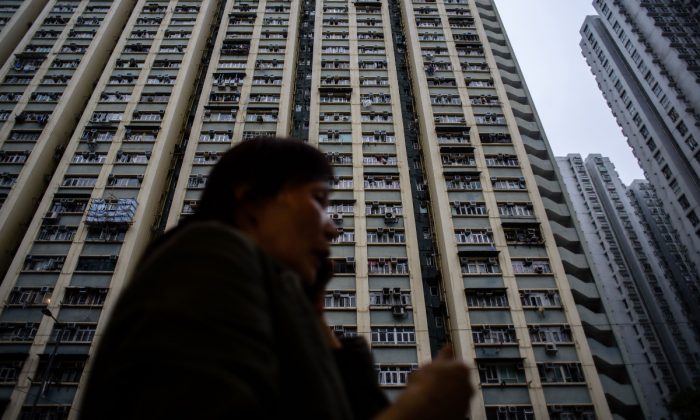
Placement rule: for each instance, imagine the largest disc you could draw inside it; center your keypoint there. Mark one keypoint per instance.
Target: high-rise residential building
(452, 220)
(644, 277)
(646, 59)
(682, 273)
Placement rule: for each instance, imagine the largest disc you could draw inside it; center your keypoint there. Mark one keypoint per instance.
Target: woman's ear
(245, 215)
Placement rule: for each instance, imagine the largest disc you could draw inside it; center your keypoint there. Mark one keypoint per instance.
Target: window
(86, 263)
(515, 210)
(106, 233)
(89, 157)
(486, 298)
(344, 266)
(108, 117)
(387, 182)
(189, 206)
(64, 369)
(501, 373)
(13, 157)
(458, 159)
(124, 181)
(379, 160)
(340, 207)
(464, 236)
(550, 334)
(666, 170)
(15, 331)
(523, 234)
(29, 296)
(394, 375)
(56, 233)
(651, 145)
(393, 335)
(572, 412)
(382, 209)
(84, 296)
(216, 136)
(43, 263)
(386, 236)
(379, 266)
(339, 299)
(673, 114)
(540, 298)
(132, 157)
(73, 333)
(341, 184)
(10, 367)
(494, 334)
(530, 266)
(68, 205)
(479, 265)
(198, 181)
(511, 412)
(560, 372)
(508, 183)
(390, 296)
(501, 160)
(379, 136)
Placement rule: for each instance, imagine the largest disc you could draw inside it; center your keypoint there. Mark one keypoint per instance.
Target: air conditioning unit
(539, 270)
(551, 348)
(51, 216)
(399, 311)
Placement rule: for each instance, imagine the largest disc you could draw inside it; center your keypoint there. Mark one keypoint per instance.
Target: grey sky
(545, 37)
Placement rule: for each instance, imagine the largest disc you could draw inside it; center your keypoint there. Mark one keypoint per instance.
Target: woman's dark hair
(265, 166)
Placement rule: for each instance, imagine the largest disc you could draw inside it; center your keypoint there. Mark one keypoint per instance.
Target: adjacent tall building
(646, 59)
(452, 219)
(650, 291)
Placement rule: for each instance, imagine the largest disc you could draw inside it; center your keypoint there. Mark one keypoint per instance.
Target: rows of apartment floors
(175, 94)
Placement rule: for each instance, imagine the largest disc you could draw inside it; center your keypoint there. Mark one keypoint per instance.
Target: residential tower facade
(646, 60)
(645, 293)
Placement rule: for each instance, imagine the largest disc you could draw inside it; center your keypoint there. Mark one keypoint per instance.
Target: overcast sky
(545, 37)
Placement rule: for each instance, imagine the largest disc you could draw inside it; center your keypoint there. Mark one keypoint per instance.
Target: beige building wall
(121, 149)
(56, 118)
